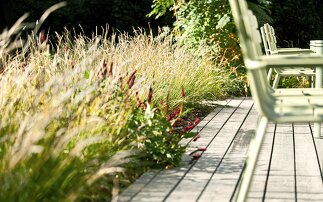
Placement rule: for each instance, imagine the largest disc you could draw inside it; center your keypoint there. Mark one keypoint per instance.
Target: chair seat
(298, 92)
(291, 51)
(290, 71)
(296, 108)
(304, 49)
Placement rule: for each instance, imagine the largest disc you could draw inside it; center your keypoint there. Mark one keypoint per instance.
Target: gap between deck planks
(288, 152)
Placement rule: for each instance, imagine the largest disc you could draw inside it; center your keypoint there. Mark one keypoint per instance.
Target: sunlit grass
(67, 111)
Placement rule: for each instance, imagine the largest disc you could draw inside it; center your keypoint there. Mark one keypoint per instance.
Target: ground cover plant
(81, 117)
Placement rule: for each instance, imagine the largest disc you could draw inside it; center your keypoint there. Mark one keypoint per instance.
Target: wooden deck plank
(195, 180)
(281, 182)
(226, 133)
(309, 184)
(160, 186)
(202, 124)
(222, 185)
(258, 185)
(319, 148)
(135, 188)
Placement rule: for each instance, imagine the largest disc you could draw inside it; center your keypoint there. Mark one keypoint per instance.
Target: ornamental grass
(82, 117)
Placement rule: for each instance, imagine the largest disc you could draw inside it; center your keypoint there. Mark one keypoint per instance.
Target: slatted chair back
(257, 41)
(264, 40)
(270, 47)
(250, 40)
(270, 38)
(272, 43)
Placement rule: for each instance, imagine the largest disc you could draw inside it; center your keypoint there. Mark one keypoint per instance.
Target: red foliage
(42, 37)
(104, 69)
(138, 100)
(183, 93)
(150, 95)
(131, 79)
(196, 121)
(202, 149)
(188, 128)
(196, 156)
(111, 69)
(196, 137)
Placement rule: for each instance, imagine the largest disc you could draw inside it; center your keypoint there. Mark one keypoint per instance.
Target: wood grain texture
(226, 133)
(281, 183)
(258, 185)
(308, 176)
(223, 182)
(216, 138)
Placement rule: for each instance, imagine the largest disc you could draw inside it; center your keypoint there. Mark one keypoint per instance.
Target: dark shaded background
(296, 21)
(122, 15)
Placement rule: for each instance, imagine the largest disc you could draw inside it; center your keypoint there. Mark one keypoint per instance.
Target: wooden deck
(288, 168)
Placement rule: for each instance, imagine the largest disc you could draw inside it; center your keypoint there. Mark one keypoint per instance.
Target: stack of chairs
(276, 105)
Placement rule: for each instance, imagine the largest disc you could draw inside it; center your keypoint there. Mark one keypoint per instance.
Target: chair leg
(310, 81)
(317, 130)
(269, 74)
(276, 81)
(253, 154)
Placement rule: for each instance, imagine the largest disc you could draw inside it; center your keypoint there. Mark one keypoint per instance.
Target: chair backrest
(264, 40)
(271, 37)
(255, 32)
(273, 34)
(247, 25)
(250, 41)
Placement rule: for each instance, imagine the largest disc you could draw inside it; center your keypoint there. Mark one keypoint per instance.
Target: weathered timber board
(287, 168)
(258, 185)
(281, 180)
(222, 185)
(309, 185)
(219, 142)
(159, 187)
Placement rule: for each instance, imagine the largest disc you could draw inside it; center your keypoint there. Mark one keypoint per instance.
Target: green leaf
(149, 113)
(223, 21)
(189, 135)
(86, 74)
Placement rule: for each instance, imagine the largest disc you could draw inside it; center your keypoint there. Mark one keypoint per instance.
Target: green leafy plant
(155, 138)
(160, 7)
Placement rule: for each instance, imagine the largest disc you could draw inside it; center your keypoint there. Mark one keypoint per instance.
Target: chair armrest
(300, 60)
(292, 51)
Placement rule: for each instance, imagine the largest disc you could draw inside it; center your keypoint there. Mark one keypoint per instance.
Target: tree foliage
(160, 7)
(207, 23)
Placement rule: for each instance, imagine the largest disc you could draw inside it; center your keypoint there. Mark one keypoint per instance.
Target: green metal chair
(271, 39)
(281, 105)
(270, 48)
